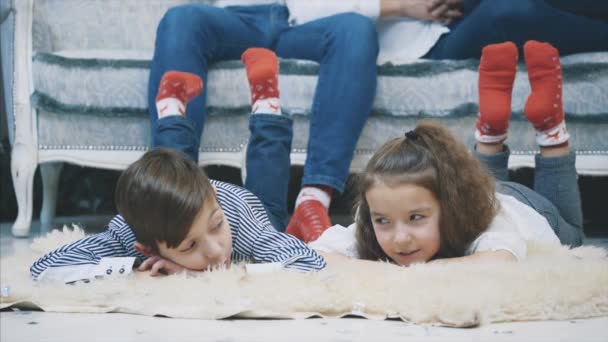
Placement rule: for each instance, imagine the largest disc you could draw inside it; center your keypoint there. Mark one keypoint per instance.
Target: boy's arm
(254, 238)
(273, 246)
(106, 254)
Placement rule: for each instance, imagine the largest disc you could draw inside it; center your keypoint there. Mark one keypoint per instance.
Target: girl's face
(406, 221)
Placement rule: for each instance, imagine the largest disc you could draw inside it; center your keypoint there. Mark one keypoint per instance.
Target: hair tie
(411, 135)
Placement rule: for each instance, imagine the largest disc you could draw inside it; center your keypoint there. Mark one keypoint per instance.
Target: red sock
(544, 107)
(262, 68)
(310, 217)
(180, 86)
(496, 75)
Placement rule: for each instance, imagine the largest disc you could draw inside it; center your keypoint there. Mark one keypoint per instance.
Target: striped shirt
(254, 240)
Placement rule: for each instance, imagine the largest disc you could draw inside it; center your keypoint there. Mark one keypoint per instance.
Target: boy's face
(208, 243)
(406, 221)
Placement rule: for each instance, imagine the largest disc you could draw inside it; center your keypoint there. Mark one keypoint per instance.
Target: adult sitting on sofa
(190, 37)
(83, 70)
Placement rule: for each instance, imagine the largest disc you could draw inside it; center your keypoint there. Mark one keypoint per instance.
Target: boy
(172, 217)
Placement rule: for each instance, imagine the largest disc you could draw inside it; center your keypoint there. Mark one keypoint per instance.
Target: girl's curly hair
(431, 157)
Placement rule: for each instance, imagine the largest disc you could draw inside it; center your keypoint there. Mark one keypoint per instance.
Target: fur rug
(552, 284)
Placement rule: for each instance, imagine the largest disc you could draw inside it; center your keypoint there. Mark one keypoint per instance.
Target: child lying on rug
(424, 197)
(172, 217)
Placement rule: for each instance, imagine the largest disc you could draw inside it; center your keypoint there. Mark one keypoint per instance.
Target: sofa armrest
(22, 82)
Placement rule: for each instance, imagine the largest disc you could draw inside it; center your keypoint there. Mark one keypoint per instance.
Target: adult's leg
(495, 21)
(188, 38)
(346, 47)
(589, 8)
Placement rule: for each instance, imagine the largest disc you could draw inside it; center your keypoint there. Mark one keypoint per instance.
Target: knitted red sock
(496, 75)
(175, 91)
(310, 217)
(262, 68)
(544, 107)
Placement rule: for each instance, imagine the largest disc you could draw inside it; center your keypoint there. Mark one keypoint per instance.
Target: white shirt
(514, 225)
(401, 40)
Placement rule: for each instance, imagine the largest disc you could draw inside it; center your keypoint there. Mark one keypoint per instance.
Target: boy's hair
(160, 195)
(432, 158)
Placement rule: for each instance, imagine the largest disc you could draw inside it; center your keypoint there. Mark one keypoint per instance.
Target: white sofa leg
(50, 184)
(23, 167)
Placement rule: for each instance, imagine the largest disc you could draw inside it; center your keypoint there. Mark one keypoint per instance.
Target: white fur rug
(552, 284)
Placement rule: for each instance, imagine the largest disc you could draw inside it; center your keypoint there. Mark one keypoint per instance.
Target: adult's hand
(418, 9)
(445, 11)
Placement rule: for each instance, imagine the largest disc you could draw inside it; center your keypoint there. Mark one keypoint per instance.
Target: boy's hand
(159, 266)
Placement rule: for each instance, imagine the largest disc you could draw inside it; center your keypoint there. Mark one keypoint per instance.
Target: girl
(425, 197)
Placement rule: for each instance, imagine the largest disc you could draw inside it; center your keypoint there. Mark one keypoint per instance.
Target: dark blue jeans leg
(496, 21)
(189, 38)
(346, 47)
(268, 164)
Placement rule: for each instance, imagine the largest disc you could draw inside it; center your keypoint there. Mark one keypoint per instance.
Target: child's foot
(310, 217)
(496, 75)
(175, 91)
(262, 68)
(544, 106)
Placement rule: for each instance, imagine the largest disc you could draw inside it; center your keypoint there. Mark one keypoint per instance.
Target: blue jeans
(495, 21)
(190, 37)
(556, 194)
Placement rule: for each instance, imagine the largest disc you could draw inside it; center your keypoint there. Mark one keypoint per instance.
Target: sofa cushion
(102, 92)
(117, 82)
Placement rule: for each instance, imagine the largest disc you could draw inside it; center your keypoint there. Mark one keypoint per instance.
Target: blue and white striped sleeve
(273, 246)
(116, 242)
(254, 237)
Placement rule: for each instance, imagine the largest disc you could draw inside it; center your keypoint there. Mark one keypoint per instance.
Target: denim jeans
(495, 21)
(190, 37)
(556, 195)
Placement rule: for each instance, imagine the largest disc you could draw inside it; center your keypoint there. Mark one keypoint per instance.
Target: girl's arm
(484, 256)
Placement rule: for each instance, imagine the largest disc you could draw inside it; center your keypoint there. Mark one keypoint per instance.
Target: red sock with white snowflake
(544, 107)
(310, 217)
(175, 91)
(262, 66)
(497, 69)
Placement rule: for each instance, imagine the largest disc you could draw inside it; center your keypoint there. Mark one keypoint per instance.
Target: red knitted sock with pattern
(175, 91)
(544, 107)
(262, 68)
(496, 75)
(310, 217)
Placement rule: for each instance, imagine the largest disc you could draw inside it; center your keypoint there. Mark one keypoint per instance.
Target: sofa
(78, 72)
